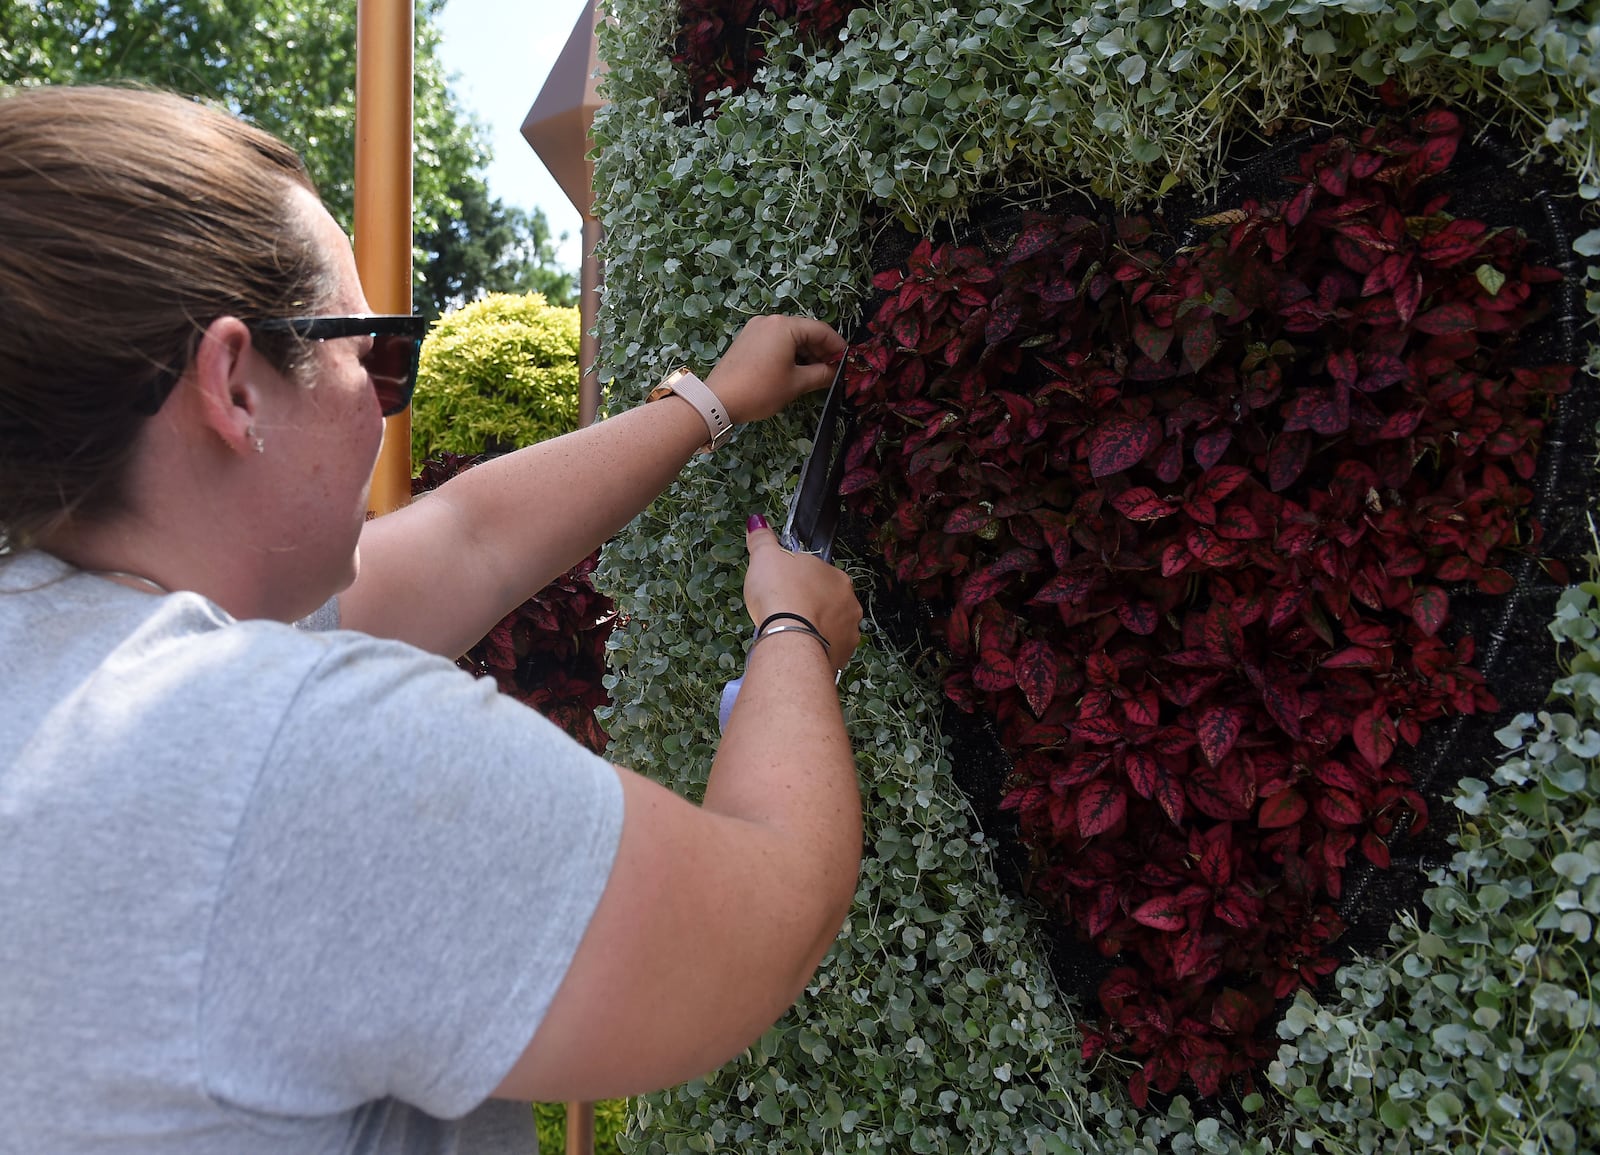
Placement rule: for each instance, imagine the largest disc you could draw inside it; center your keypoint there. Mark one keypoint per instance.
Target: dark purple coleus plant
(1190, 526)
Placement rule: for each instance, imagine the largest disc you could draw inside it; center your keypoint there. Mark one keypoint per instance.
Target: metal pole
(580, 1116)
(385, 36)
(588, 317)
(580, 1129)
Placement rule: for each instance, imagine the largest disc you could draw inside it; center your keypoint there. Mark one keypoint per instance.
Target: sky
(498, 54)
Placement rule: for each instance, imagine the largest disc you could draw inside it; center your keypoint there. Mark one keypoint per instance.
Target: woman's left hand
(772, 361)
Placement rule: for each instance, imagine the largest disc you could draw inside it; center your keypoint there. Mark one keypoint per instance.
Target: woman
(271, 889)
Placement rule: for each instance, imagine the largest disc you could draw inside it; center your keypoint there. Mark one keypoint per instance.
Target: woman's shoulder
(180, 655)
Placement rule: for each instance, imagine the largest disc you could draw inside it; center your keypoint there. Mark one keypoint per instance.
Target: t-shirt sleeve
(418, 862)
(322, 619)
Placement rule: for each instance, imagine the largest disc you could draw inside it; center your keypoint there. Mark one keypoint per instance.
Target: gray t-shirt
(269, 890)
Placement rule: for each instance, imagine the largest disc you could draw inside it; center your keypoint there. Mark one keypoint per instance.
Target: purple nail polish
(756, 522)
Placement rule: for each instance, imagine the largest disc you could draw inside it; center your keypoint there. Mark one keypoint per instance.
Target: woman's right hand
(771, 362)
(779, 581)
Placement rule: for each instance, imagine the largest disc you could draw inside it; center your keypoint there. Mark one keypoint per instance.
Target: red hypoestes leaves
(1101, 806)
(1282, 809)
(1140, 503)
(1036, 668)
(1456, 317)
(1430, 606)
(1164, 913)
(1192, 528)
(1374, 735)
(1121, 443)
(1287, 459)
(1219, 729)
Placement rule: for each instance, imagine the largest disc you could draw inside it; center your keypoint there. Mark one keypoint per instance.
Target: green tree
(490, 247)
(540, 271)
(289, 66)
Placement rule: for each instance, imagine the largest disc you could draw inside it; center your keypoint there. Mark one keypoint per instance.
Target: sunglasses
(392, 360)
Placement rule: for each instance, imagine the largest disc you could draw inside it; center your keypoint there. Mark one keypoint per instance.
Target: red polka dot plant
(1191, 525)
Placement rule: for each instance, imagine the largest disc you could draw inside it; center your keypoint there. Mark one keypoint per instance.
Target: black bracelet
(781, 615)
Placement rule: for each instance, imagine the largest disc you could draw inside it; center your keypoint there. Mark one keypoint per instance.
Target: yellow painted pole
(385, 37)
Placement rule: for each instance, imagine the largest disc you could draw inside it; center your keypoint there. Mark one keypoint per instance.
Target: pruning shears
(814, 507)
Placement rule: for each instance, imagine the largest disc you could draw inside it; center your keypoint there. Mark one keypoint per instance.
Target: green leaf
(1574, 867)
(1493, 897)
(1444, 1108)
(1395, 1116)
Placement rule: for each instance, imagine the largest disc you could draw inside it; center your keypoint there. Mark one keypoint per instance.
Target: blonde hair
(129, 220)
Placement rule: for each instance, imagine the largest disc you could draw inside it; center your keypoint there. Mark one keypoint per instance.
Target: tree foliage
(290, 67)
(489, 247)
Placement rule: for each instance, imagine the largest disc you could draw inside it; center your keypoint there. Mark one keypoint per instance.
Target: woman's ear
(222, 384)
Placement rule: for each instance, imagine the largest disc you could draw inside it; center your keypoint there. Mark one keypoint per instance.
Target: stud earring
(260, 445)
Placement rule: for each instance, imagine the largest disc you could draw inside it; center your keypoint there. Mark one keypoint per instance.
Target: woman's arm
(441, 572)
(715, 917)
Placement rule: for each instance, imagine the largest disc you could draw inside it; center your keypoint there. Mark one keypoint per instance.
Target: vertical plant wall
(935, 1024)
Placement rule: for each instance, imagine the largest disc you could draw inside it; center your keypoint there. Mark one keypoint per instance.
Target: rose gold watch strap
(697, 393)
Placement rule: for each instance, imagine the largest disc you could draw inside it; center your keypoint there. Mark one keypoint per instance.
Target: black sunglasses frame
(412, 326)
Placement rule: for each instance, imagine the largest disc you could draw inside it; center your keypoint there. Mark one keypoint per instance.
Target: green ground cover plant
(935, 1025)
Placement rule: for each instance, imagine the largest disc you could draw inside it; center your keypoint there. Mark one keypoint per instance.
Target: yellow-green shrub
(610, 1117)
(496, 374)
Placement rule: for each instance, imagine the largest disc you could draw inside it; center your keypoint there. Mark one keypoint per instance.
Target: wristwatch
(696, 392)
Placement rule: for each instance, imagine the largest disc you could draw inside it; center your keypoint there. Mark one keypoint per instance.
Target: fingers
(815, 342)
(811, 378)
(772, 361)
(758, 535)
(818, 349)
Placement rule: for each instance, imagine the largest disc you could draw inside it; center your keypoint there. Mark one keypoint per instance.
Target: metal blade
(814, 509)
